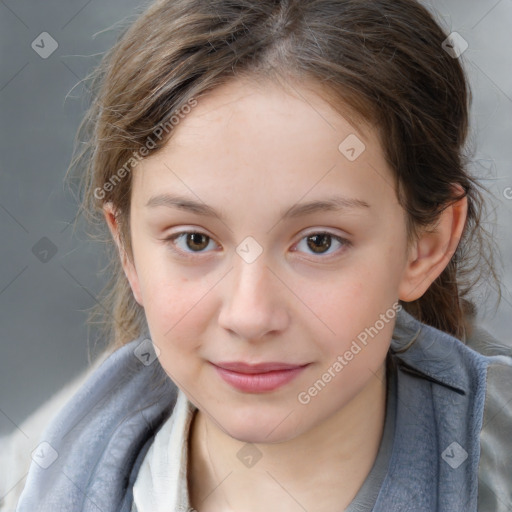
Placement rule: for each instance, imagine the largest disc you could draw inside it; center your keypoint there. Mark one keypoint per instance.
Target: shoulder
(482, 341)
(495, 463)
(469, 394)
(16, 448)
(99, 434)
(495, 466)
(448, 396)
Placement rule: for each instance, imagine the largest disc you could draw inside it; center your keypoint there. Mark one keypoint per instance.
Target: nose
(255, 302)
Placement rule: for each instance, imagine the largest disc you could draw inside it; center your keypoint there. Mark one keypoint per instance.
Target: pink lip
(238, 366)
(257, 378)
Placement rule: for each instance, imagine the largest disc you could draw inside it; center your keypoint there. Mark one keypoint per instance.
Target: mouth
(257, 378)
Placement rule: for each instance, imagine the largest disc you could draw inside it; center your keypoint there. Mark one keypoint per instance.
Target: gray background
(43, 336)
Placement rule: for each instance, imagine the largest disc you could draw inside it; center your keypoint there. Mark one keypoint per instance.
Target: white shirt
(161, 483)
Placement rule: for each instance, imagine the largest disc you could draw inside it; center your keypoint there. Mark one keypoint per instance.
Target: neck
(336, 456)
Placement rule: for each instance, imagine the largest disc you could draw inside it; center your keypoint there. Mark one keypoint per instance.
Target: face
(231, 266)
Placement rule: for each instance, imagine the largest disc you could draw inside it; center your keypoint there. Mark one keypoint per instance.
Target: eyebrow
(333, 203)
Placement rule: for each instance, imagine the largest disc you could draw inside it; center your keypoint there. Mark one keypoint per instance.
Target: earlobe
(128, 267)
(432, 251)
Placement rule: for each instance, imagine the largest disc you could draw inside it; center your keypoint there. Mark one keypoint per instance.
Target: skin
(251, 151)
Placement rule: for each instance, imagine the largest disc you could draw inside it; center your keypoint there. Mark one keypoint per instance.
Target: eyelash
(190, 254)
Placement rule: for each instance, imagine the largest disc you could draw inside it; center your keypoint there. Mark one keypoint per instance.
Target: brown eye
(197, 241)
(319, 243)
(189, 242)
(323, 244)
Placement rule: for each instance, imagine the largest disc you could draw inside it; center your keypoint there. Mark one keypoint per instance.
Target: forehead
(242, 105)
(245, 134)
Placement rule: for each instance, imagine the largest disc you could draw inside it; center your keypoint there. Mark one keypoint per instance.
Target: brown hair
(382, 58)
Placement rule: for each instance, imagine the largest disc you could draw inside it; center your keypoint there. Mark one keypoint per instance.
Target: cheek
(360, 311)
(167, 294)
(351, 301)
(176, 310)
(359, 306)
(177, 316)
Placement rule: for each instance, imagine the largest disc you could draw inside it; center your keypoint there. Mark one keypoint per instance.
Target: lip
(240, 367)
(257, 378)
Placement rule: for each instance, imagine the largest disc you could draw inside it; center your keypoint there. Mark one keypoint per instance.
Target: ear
(128, 267)
(433, 250)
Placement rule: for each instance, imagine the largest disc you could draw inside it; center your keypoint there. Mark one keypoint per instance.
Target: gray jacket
(452, 448)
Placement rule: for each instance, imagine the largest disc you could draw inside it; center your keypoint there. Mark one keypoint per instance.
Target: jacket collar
(427, 352)
(440, 396)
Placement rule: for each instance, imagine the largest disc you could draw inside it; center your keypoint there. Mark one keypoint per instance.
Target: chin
(259, 428)
(254, 435)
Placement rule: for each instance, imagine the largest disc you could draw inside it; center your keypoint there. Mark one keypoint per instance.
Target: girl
(285, 186)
